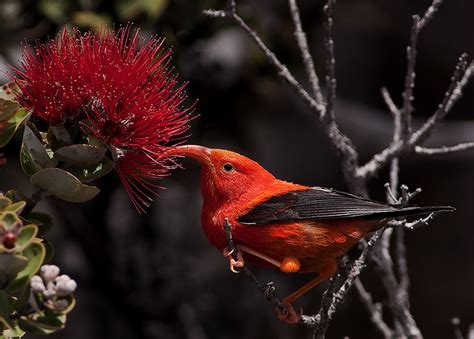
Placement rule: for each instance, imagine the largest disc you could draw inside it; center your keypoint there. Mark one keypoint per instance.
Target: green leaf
(93, 172)
(11, 264)
(51, 322)
(61, 134)
(4, 201)
(36, 149)
(5, 305)
(16, 207)
(26, 236)
(42, 324)
(42, 220)
(71, 303)
(8, 109)
(27, 163)
(63, 185)
(15, 196)
(80, 155)
(9, 324)
(14, 332)
(9, 219)
(35, 254)
(8, 128)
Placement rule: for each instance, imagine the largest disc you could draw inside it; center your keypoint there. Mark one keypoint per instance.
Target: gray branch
(282, 70)
(336, 295)
(445, 149)
(300, 37)
(462, 74)
(331, 82)
(417, 26)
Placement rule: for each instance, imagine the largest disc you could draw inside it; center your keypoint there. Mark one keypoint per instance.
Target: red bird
(292, 227)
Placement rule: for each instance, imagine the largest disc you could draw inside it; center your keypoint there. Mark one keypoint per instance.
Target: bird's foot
(234, 263)
(287, 313)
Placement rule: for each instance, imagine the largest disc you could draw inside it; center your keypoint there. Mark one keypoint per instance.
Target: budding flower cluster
(53, 287)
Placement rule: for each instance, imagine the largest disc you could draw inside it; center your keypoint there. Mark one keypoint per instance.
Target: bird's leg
(257, 254)
(239, 263)
(290, 316)
(287, 265)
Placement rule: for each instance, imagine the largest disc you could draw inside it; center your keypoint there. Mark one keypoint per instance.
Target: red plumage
(293, 227)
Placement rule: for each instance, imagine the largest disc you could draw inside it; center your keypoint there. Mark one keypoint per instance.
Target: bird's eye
(228, 167)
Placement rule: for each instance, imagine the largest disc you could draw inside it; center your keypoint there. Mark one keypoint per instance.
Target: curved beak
(200, 153)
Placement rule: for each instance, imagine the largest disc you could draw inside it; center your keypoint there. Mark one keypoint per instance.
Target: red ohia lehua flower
(129, 97)
(52, 85)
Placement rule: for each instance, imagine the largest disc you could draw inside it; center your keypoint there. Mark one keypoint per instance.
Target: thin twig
(379, 160)
(451, 96)
(457, 94)
(323, 316)
(300, 37)
(417, 26)
(397, 291)
(331, 83)
(410, 79)
(326, 300)
(384, 266)
(389, 101)
(401, 262)
(268, 289)
(282, 70)
(459, 80)
(445, 149)
(419, 222)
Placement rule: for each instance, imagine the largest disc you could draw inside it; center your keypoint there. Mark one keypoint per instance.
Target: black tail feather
(411, 211)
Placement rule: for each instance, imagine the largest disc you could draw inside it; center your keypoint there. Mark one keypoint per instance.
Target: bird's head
(225, 175)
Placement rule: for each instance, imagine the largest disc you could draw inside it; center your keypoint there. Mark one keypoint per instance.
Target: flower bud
(37, 284)
(65, 285)
(49, 272)
(9, 239)
(49, 293)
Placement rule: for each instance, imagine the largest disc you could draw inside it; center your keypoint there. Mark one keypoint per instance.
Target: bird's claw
(234, 263)
(227, 252)
(288, 314)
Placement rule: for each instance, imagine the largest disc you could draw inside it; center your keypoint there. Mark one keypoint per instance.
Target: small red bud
(9, 239)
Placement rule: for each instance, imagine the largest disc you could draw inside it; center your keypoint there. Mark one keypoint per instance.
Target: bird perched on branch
(292, 227)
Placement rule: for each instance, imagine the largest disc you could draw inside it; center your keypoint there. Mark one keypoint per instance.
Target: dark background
(156, 276)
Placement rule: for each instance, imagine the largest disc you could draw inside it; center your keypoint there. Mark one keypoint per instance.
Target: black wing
(319, 203)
